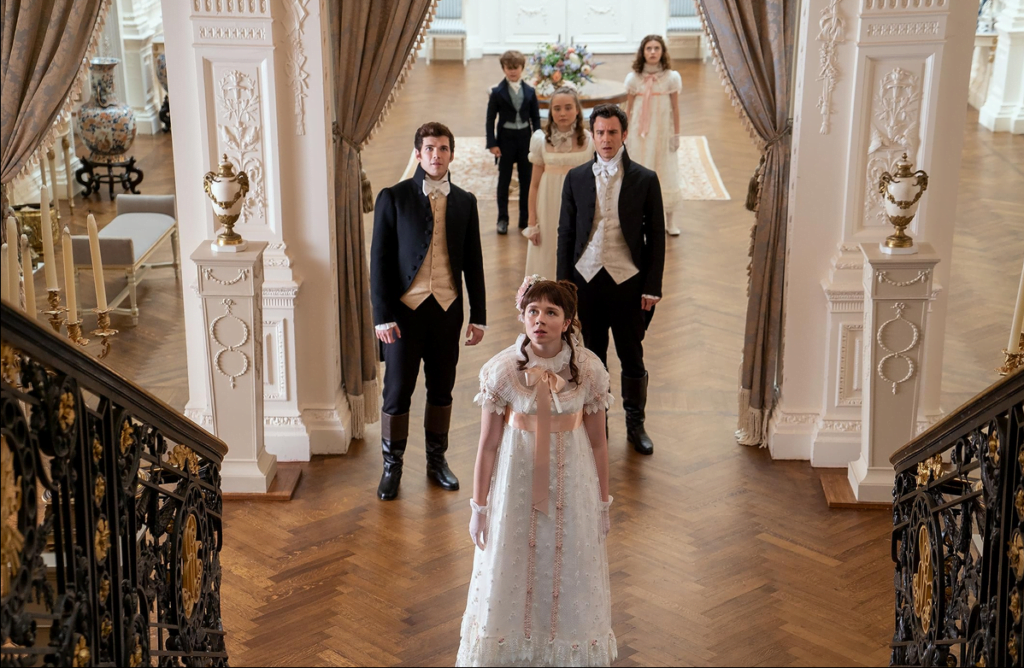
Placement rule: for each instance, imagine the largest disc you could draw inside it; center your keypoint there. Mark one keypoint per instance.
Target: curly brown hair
(666, 61)
(581, 133)
(433, 129)
(563, 295)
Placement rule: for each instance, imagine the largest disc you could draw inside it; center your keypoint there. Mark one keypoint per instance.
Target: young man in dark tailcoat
(611, 243)
(426, 238)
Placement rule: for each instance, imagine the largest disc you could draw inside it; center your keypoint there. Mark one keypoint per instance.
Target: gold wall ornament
(1018, 503)
(191, 566)
(100, 490)
(929, 467)
(102, 539)
(10, 365)
(66, 411)
(97, 450)
(1015, 606)
(82, 654)
(107, 627)
(104, 589)
(184, 458)
(135, 658)
(923, 586)
(900, 198)
(127, 437)
(11, 539)
(1016, 554)
(227, 191)
(1011, 645)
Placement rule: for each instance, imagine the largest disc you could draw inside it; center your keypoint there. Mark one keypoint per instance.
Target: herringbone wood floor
(718, 555)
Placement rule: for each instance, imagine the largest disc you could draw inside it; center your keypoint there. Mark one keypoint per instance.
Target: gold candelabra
(56, 316)
(103, 330)
(1014, 360)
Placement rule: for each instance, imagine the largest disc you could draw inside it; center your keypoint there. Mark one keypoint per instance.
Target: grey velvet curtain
(372, 45)
(44, 44)
(752, 41)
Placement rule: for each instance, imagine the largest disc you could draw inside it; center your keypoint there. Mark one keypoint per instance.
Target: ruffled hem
(528, 652)
(489, 402)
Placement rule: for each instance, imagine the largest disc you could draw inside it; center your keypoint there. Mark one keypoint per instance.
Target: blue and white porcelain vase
(105, 125)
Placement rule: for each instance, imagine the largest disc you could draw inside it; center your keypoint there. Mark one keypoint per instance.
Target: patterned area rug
(474, 170)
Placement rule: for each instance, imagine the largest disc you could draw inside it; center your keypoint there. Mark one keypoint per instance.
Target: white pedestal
(1004, 106)
(230, 287)
(897, 289)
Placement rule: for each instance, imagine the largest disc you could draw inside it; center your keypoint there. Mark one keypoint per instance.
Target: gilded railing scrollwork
(958, 538)
(110, 513)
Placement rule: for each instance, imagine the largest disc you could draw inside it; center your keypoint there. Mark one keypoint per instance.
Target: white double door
(605, 26)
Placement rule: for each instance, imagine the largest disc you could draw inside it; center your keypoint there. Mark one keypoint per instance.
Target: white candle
(97, 265)
(26, 270)
(1018, 317)
(5, 294)
(14, 277)
(45, 229)
(69, 276)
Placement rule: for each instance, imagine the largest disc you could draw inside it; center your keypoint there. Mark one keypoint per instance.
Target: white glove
(478, 525)
(606, 520)
(673, 143)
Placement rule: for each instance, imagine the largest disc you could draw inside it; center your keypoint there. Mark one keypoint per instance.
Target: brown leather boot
(394, 434)
(436, 421)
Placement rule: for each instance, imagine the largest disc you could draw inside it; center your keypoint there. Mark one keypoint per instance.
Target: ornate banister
(958, 516)
(111, 515)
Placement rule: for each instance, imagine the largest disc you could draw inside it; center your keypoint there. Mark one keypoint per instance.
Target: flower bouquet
(556, 65)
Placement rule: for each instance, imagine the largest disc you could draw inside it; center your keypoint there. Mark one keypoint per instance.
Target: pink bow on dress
(542, 451)
(648, 95)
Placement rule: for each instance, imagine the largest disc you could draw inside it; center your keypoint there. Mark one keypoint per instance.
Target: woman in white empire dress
(539, 594)
(653, 110)
(554, 150)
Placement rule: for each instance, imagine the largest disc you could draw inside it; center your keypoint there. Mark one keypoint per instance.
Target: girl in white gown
(540, 594)
(653, 110)
(560, 146)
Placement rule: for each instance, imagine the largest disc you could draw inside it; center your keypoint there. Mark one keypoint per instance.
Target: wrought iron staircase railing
(958, 516)
(110, 519)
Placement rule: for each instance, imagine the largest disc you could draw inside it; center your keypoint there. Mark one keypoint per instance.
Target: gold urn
(901, 195)
(227, 191)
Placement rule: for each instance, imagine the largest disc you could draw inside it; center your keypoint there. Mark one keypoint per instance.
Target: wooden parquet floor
(718, 555)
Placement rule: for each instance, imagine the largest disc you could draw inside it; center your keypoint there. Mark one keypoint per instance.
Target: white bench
(142, 224)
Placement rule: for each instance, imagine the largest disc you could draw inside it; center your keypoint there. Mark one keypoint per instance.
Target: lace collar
(553, 364)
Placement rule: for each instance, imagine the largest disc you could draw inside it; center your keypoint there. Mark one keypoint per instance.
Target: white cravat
(515, 86)
(442, 185)
(607, 248)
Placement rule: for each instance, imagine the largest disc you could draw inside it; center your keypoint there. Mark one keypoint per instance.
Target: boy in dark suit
(426, 239)
(513, 103)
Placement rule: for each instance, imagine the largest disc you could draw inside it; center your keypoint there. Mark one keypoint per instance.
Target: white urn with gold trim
(901, 195)
(227, 191)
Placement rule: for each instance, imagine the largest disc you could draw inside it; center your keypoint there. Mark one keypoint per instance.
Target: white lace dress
(651, 149)
(540, 593)
(557, 159)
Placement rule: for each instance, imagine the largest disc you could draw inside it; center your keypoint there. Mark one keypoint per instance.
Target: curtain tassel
(754, 187)
(366, 188)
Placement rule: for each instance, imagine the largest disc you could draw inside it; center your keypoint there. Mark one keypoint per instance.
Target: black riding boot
(634, 401)
(394, 434)
(436, 421)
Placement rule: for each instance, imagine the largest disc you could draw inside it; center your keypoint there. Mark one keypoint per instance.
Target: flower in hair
(528, 282)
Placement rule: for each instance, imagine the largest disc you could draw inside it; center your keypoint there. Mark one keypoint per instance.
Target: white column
(140, 21)
(1004, 107)
(230, 286)
(249, 80)
(898, 289)
(874, 79)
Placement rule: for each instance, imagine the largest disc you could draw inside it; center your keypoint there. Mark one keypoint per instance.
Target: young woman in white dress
(540, 594)
(560, 146)
(653, 110)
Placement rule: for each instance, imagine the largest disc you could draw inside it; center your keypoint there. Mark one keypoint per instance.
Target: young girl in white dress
(540, 594)
(653, 110)
(560, 146)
